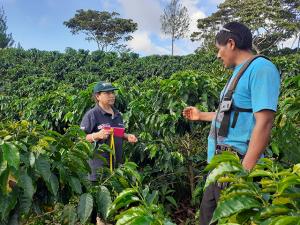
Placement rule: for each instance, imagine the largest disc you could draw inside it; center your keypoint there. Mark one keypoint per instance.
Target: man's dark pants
(209, 203)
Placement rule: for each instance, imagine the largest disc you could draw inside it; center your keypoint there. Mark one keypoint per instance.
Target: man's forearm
(258, 143)
(207, 116)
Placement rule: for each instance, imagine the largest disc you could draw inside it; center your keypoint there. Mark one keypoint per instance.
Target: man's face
(106, 98)
(226, 53)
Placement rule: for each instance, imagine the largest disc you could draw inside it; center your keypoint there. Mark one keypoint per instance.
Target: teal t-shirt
(257, 89)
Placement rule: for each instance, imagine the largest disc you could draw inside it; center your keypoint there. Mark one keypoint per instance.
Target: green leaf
(260, 173)
(234, 205)
(288, 182)
(127, 216)
(7, 203)
(283, 220)
(31, 159)
(221, 169)
(11, 155)
(123, 199)
(69, 215)
(3, 166)
(53, 184)
(224, 157)
(75, 185)
(103, 201)
(85, 207)
(43, 167)
(27, 185)
(273, 210)
(172, 200)
(25, 203)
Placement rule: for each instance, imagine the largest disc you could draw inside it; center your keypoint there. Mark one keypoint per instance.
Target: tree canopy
(175, 21)
(6, 39)
(270, 21)
(107, 29)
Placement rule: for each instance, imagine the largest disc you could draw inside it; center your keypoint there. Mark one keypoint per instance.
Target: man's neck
(242, 56)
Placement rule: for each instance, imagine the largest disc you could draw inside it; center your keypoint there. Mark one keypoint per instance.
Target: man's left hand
(131, 138)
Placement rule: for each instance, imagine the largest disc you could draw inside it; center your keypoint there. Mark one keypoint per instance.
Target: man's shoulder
(262, 63)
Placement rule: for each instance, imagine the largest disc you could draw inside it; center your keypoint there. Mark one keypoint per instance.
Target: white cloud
(146, 13)
(141, 42)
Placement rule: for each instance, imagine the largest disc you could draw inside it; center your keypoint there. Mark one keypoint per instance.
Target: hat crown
(103, 86)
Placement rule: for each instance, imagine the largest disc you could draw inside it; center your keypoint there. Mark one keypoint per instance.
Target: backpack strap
(223, 131)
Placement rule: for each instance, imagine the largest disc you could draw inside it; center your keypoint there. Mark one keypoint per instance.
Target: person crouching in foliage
(243, 121)
(98, 123)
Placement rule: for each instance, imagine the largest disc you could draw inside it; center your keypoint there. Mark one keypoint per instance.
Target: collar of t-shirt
(116, 112)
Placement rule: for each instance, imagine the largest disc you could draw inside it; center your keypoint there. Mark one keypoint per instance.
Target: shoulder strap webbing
(223, 131)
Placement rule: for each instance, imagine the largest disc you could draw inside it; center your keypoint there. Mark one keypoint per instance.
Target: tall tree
(107, 29)
(175, 21)
(6, 40)
(272, 21)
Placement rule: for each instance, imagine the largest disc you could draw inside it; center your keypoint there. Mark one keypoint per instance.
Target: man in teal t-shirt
(257, 91)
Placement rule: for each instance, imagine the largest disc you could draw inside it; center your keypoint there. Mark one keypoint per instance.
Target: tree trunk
(172, 46)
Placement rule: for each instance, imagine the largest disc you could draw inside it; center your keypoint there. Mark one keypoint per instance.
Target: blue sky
(39, 23)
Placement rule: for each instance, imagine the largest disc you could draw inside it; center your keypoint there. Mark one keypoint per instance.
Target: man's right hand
(191, 113)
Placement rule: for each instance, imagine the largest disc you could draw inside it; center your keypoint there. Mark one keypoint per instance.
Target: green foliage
(42, 172)
(266, 195)
(283, 21)
(6, 40)
(107, 29)
(40, 167)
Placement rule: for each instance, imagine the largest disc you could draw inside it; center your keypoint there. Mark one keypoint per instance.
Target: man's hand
(131, 138)
(102, 134)
(191, 113)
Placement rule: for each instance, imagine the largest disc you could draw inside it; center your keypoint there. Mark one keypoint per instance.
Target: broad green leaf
(128, 215)
(221, 169)
(11, 155)
(85, 207)
(75, 185)
(234, 205)
(152, 198)
(103, 201)
(273, 210)
(145, 220)
(7, 203)
(31, 159)
(260, 173)
(224, 157)
(283, 220)
(172, 200)
(69, 215)
(25, 203)
(53, 184)
(123, 199)
(288, 182)
(27, 185)
(43, 167)
(3, 166)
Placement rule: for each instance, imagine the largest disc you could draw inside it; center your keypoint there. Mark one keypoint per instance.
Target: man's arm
(260, 137)
(192, 113)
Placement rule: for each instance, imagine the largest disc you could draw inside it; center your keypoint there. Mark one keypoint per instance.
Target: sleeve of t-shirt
(264, 85)
(86, 123)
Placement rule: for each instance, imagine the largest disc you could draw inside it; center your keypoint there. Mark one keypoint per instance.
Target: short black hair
(239, 32)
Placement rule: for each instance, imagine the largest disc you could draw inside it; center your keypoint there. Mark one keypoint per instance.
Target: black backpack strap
(223, 131)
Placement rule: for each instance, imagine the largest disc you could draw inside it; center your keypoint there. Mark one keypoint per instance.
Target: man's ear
(231, 44)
